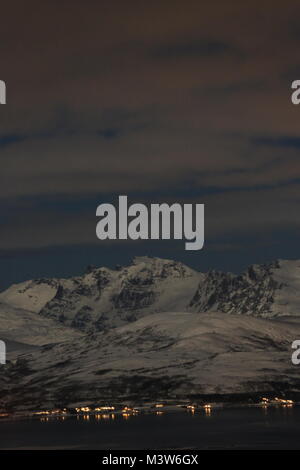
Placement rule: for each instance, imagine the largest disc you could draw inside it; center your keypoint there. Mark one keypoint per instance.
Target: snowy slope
(30, 295)
(287, 297)
(161, 356)
(265, 290)
(26, 327)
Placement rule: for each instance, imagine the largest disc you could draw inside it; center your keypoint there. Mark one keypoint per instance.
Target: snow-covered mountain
(161, 356)
(130, 347)
(104, 298)
(266, 290)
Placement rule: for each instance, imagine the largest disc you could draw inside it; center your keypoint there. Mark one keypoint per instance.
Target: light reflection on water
(211, 428)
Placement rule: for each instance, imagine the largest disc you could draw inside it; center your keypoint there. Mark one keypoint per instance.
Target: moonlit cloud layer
(170, 100)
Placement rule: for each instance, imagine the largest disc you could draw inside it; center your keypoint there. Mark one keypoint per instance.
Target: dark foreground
(243, 428)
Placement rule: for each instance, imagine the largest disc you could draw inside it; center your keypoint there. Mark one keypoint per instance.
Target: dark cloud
(197, 49)
(11, 139)
(283, 141)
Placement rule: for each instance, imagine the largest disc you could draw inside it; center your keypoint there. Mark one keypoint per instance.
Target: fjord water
(239, 428)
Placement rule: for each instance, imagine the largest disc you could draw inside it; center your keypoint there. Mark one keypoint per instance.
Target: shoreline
(150, 408)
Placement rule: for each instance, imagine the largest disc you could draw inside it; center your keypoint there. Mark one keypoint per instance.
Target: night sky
(186, 101)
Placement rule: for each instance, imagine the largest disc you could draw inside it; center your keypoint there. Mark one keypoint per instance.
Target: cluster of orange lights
(127, 412)
(87, 409)
(83, 409)
(51, 412)
(207, 408)
(105, 408)
(100, 412)
(276, 401)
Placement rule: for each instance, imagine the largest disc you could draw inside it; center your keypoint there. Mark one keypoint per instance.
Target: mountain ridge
(103, 298)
